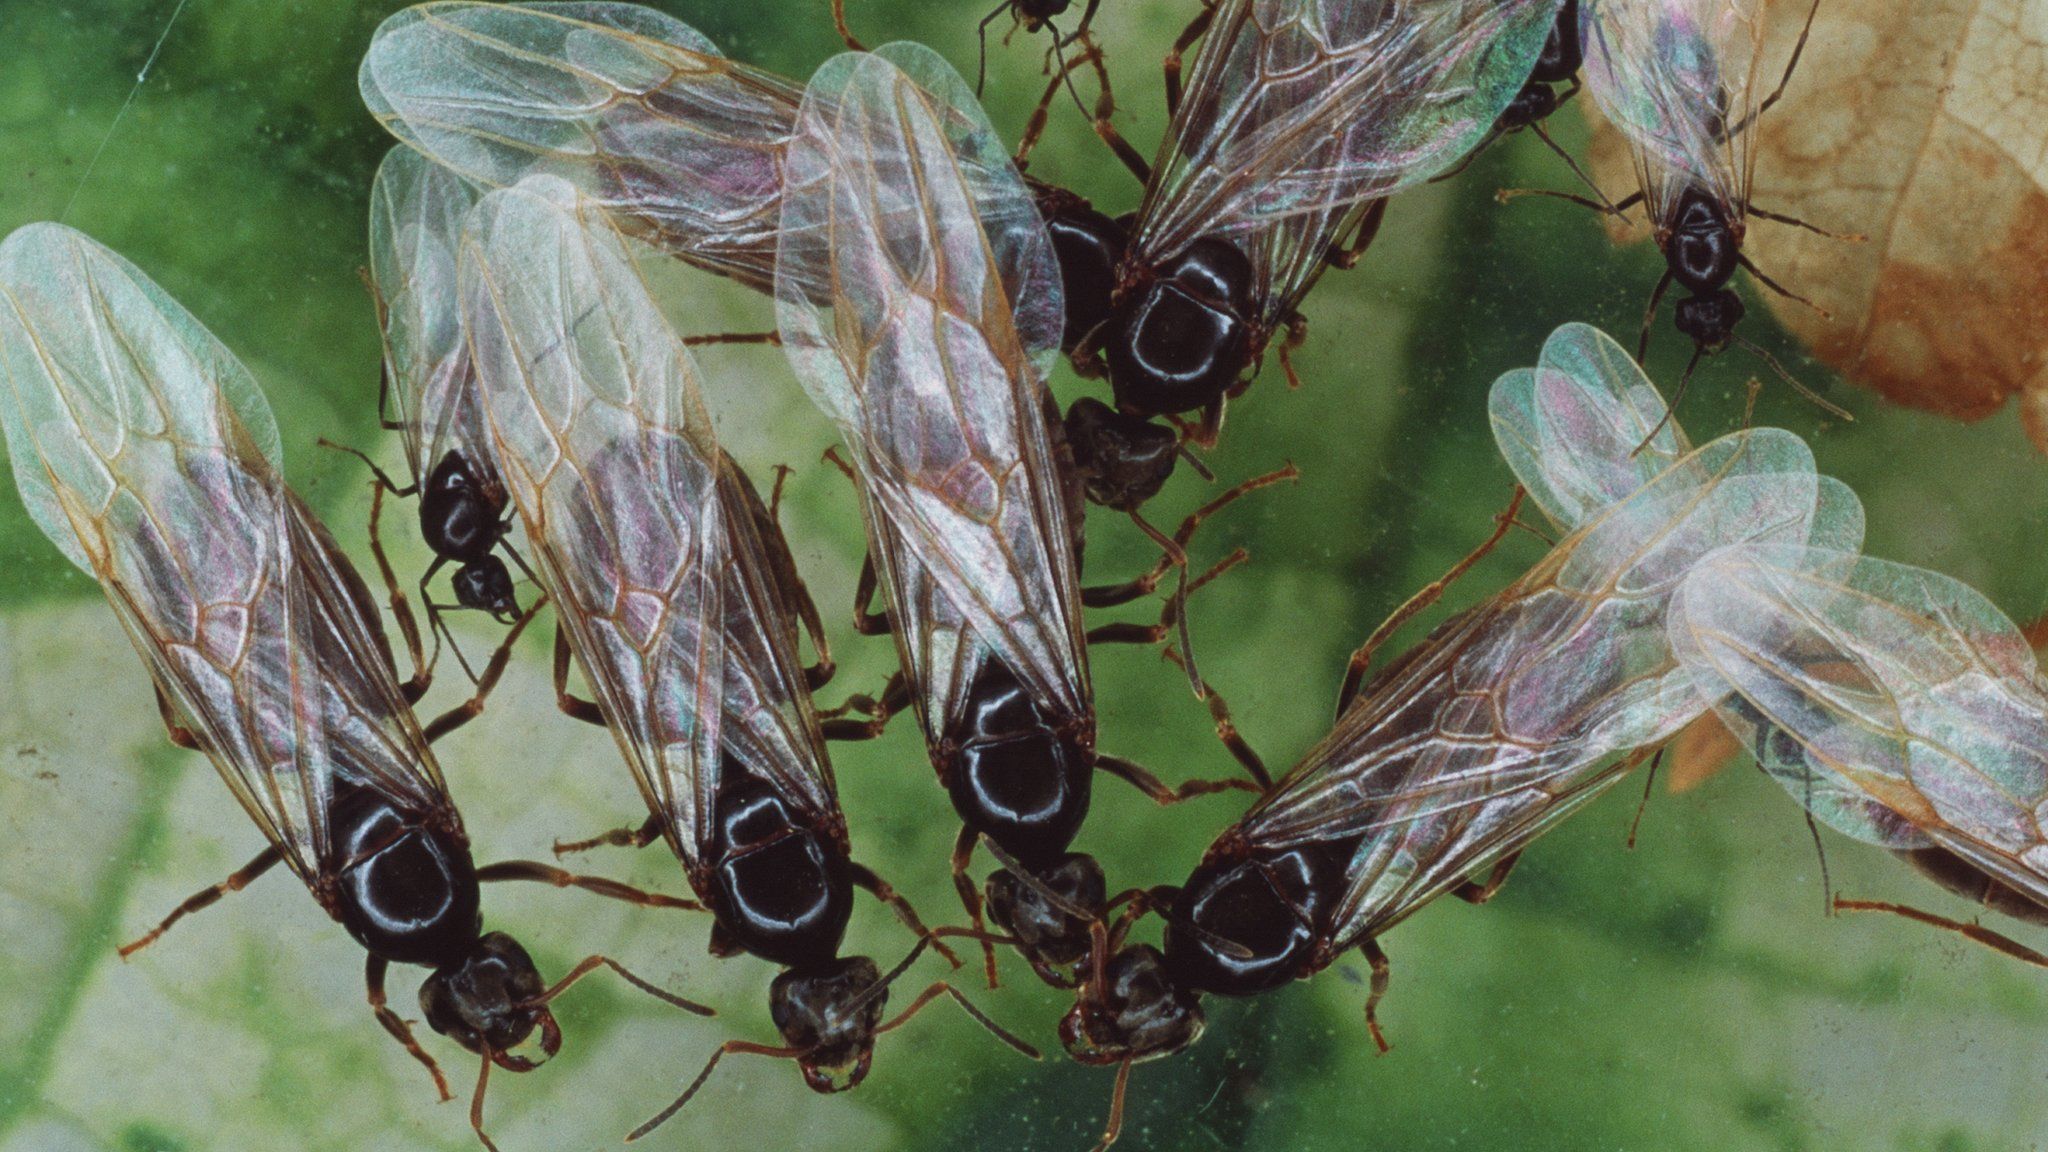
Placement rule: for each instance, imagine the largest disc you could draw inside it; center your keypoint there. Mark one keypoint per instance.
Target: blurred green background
(1688, 994)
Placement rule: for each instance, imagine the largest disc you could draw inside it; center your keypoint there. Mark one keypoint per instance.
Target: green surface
(1684, 995)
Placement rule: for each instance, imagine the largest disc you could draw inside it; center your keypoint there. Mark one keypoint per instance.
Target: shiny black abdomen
(1089, 246)
(458, 517)
(1184, 336)
(1702, 250)
(782, 889)
(403, 887)
(1017, 774)
(1273, 905)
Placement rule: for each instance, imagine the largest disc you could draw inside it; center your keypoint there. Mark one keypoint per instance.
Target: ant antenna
(1815, 398)
(1671, 407)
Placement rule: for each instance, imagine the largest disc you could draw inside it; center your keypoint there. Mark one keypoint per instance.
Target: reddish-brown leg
(1170, 68)
(845, 33)
(865, 877)
(1997, 942)
(568, 702)
(205, 898)
(177, 733)
(373, 980)
(593, 963)
(1115, 1125)
(626, 837)
(1480, 893)
(1141, 778)
(473, 707)
(1361, 660)
(1382, 974)
(540, 873)
(970, 896)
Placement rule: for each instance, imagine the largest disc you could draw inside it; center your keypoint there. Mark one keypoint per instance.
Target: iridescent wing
(928, 353)
(640, 526)
(1676, 76)
(1900, 705)
(1297, 112)
(634, 108)
(145, 451)
(416, 211)
(1577, 428)
(1509, 718)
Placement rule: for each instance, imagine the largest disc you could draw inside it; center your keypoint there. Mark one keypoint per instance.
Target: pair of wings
(416, 212)
(1679, 78)
(918, 299)
(1899, 705)
(633, 107)
(1299, 112)
(648, 537)
(147, 454)
(1511, 715)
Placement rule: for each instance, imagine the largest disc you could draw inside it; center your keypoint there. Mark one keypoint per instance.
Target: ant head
(490, 1003)
(1053, 940)
(1710, 319)
(1036, 12)
(1123, 459)
(829, 1014)
(486, 585)
(1135, 1012)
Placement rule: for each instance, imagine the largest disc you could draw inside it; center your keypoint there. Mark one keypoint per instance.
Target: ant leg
(1170, 68)
(970, 896)
(787, 583)
(1382, 974)
(1997, 942)
(627, 837)
(540, 873)
(593, 963)
(1041, 112)
(1649, 783)
(1361, 660)
(1750, 266)
(895, 698)
(1101, 118)
(473, 707)
(730, 1047)
(773, 338)
(1141, 778)
(236, 881)
(1347, 255)
(1297, 335)
(1114, 1126)
(941, 988)
(846, 34)
(865, 622)
(570, 704)
(880, 889)
(1544, 135)
(179, 735)
(1480, 893)
(373, 980)
(375, 471)
(1798, 49)
(1602, 205)
(401, 609)
(1650, 315)
(1111, 595)
(1491, 138)
(1796, 222)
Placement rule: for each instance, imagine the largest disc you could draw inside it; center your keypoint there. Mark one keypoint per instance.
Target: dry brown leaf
(1923, 126)
(1700, 749)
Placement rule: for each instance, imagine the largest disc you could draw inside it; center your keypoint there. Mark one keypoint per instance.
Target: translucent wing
(929, 360)
(642, 529)
(1900, 704)
(1576, 429)
(1299, 111)
(416, 211)
(634, 108)
(1676, 76)
(146, 452)
(1508, 718)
